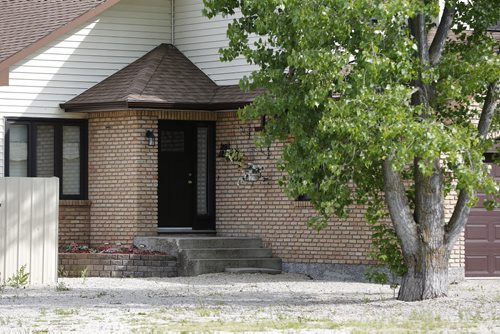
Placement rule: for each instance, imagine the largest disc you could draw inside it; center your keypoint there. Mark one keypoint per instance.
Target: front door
(186, 186)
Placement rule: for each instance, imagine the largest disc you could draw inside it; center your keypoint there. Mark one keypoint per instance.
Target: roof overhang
(4, 77)
(134, 105)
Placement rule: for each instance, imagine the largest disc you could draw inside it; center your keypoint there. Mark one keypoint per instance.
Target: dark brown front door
(482, 237)
(185, 176)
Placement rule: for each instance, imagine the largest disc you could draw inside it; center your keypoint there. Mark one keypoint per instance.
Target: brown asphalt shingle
(24, 22)
(163, 78)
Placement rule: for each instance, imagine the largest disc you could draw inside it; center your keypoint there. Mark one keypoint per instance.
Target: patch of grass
(423, 322)
(221, 326)
(207, 312)
(65, 312)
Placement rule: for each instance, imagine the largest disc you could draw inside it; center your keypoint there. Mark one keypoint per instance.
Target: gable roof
(28, 25)
(162, 79)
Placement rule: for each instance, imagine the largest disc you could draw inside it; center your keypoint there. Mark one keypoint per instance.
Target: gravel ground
(249, 302)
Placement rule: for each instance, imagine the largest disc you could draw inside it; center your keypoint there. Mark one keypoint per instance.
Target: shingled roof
(162, 79)
(27, 25)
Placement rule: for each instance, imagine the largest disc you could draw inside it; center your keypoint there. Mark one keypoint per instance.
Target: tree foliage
(353, 85)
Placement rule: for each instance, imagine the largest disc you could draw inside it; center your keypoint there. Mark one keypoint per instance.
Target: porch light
(151, 138)
(223, 149)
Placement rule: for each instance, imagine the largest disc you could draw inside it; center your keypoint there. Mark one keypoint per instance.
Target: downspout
(172, 15)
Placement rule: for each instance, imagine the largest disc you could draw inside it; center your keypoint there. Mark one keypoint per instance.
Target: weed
(83, 274)
(43, 312)
(61, 272)
(19, 279)
(61, 286)
(101, 294)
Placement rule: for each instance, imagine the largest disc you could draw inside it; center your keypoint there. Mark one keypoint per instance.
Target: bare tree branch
(461, 211)
(489, 107)
(397, 203)
(458, 219)
(437, 45)
(418, 30)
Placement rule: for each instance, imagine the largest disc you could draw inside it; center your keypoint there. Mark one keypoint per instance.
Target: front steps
(202, 255)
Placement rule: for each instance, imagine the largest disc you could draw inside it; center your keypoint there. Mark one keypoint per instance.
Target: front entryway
(186, 185)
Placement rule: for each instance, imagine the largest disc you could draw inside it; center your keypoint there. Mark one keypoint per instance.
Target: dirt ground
(245, 303)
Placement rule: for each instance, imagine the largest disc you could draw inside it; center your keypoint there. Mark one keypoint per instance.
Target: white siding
(79, 60)
(84, 57)
(29, 218)
(200, 39)
(2, 151)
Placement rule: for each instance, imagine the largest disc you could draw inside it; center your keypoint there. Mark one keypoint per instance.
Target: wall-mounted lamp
(222, 150)
(151, 138)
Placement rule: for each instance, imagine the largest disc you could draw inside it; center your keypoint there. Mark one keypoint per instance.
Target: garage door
(482, 237)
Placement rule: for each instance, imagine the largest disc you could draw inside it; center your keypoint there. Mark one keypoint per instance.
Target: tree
(379, 102)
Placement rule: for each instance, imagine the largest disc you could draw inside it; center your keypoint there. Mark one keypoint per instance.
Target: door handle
(190, 182)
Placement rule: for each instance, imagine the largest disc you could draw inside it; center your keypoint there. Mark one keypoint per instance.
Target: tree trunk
(427, 275)
(421, 234)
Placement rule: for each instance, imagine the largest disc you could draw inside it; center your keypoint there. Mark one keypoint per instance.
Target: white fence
(29, 220)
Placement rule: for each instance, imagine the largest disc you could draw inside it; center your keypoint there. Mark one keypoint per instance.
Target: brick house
(128, 104)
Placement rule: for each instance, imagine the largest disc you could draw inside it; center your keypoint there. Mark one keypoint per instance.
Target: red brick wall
(74, 222)
(262, 209)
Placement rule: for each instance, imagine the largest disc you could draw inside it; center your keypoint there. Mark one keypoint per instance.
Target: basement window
(46, 148)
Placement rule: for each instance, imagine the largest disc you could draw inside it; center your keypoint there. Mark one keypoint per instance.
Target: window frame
(58, 124)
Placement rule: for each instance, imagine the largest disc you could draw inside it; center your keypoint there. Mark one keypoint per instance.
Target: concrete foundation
(348, 272)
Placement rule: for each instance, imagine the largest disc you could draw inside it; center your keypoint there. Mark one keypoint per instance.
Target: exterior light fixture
(151, 138)
(223, 149)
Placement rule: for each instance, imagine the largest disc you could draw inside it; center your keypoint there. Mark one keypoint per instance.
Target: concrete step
(173, 244)
(218, 242)
(225, 253)
(193, 267)
(253, 271)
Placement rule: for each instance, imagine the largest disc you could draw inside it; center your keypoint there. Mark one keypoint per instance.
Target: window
(45, 148)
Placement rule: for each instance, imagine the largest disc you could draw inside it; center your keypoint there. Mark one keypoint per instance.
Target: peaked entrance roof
(27, 25)
(162, 79)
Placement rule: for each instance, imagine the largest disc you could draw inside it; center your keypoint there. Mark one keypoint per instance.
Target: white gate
(29, 220)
